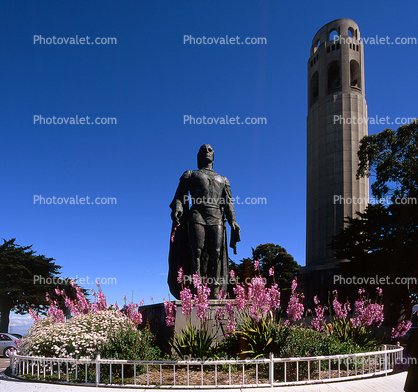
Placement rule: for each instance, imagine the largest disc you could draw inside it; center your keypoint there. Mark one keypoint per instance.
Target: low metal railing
(266, 372)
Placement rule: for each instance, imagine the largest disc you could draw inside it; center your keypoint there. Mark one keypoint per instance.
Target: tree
(383, 240)
(274, 256)
(23, 280)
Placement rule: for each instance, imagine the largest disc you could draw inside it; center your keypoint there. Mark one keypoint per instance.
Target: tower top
(345, 28)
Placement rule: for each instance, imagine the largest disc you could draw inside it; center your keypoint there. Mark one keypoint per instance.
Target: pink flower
(170, 310)
(180, 275)
(341, 311)
(271, 271)
(35, 317)
(232, 324)
(294, 285)
(402, 328)
(56, 314)
(232, 274)
(240, 297)
(186, 301)
(274, 295)
(260, 302)
(295, 308)
(379, 291)
(256, 263)
(201, 299)
(367, 313)
(319, 321)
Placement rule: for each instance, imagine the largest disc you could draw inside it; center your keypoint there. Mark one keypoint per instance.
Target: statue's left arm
(230, 216)
(229, 207)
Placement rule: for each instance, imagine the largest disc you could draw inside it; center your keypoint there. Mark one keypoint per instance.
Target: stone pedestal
(153, 316)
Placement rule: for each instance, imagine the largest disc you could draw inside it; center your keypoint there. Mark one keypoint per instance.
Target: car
(8, 344)
(18, 335)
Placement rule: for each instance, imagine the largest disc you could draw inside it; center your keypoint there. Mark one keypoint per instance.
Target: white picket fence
(266, 372)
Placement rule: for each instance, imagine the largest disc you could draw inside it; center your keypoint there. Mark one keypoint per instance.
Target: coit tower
(337, 120)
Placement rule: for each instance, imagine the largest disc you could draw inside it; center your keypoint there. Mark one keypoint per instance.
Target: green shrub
(194, 342)
(263, 337)
(131, 344)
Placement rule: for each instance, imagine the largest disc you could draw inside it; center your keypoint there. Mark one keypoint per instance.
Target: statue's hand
(176, 215)
(235, 226)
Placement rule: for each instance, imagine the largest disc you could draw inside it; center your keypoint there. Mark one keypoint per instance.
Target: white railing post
(271, 369)
(386, 359)
(13, 364)
(97, 369)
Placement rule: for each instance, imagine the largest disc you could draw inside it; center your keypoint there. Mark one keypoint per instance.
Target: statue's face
(206, 153)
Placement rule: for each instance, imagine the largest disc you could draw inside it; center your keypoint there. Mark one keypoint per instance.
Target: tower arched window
(333, 34)
(317, 45)
(334, 79)
(314, 86)
(355, 75)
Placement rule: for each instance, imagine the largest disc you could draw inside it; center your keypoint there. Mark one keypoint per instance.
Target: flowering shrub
(358, 329)
(194, 341)
(84, 335)
(251, 316)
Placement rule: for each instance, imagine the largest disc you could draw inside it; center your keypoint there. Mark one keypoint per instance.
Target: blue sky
(148, 81)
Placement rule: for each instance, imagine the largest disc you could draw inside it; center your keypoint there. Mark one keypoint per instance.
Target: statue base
(153, 317)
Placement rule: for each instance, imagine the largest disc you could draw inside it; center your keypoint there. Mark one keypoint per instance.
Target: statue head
(205, 155)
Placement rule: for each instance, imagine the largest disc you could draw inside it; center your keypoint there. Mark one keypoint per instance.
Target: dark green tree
(383, 240)
(285, 267)
(20, 288)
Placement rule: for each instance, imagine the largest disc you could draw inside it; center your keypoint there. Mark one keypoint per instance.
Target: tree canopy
(275, 256)
(20, 288)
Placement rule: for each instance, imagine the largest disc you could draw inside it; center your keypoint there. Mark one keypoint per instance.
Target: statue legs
(207, 266)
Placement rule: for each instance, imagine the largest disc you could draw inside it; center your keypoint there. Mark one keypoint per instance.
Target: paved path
(393, 383)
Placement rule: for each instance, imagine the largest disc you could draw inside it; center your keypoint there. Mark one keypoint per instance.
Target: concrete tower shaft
(337, 120)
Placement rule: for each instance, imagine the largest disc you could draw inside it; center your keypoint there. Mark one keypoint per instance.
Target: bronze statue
(198, 240)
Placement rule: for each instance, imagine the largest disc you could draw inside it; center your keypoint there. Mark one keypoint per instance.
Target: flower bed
(280, 351)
